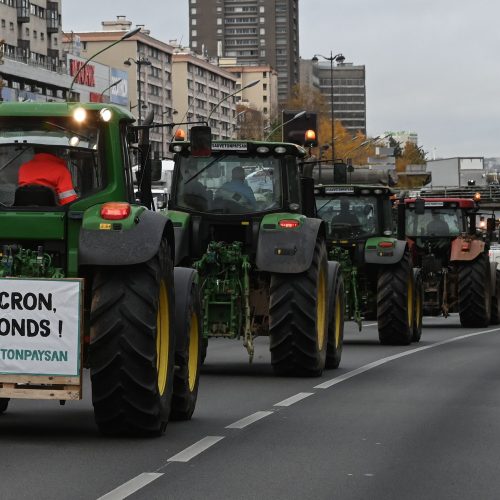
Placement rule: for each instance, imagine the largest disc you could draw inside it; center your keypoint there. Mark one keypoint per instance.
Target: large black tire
(4, 403)
(495, 301)
(188, 337)
(298, 325)
(474, 292)
(418, 305)
(132, 346)
(335, 316)
(395, 292)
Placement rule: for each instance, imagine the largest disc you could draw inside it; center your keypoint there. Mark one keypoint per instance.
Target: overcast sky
(432, 66)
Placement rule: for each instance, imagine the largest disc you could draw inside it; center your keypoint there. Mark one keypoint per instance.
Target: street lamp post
(139, 62)
(109, 87)
(340, 58)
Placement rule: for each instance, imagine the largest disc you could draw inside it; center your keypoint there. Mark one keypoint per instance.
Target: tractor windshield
(38, 140)
(229, 184)
(349, 216)
(435, 222)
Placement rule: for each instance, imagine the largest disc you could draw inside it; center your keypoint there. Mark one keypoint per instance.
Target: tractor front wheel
(132, 345)
(298, 323)
(4, 403)
(395, 302)
(335, 317)
(474, 292)
(418, 305)
(188, 344)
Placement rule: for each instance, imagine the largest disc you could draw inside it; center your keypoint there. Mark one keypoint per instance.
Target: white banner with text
(40, 326)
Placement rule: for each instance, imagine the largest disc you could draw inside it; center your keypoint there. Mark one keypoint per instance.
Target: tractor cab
(435, 223)
(353, 214)
(228, 190)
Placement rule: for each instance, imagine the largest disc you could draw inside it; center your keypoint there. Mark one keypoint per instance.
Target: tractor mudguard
(384, 250)
(463, 249)
(184, 278)
(123, 247)
(287, 250)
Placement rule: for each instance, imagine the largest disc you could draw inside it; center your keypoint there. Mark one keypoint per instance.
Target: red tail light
(289, 223)
(386, 244)
(115, 210)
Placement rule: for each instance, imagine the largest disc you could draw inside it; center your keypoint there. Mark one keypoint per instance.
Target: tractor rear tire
(474, 292)
(132, 346)
(188, 344)
(335, 319)
(298, 323)
(495, 301)
(4, 403)
(395, 299)
(418, 305)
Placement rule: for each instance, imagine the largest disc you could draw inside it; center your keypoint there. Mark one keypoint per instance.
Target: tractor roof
(352, 190)
(436, 202)
(251, 147)
(58, 109)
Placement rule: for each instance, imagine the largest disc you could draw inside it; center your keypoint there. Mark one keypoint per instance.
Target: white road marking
(244, 422)
(195, 449)
(383, 361)
(130, 487)
(371, 324)
(294, 399)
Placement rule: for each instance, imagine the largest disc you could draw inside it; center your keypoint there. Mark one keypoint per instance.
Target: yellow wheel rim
(418, 310)
(337, 320)
(162, 338)
(194, 350)
(321, 310)
(410, 302)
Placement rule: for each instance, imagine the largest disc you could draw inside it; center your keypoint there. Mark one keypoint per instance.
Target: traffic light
(295, 130)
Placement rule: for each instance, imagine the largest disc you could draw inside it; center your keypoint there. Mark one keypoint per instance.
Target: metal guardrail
(489, 194)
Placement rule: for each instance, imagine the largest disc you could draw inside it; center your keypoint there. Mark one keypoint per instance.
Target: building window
(193, 22)
(55, 41)
(27, 31)
(42, 36)
(264, 86)
(11, 26)
(35, 34)
(193, 11)
(194, 43)
(262, 31)
(3, 23)
(194, 33)
(219, 21)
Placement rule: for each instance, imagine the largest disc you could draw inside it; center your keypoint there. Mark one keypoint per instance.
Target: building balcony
(53, 24)
(23, 12)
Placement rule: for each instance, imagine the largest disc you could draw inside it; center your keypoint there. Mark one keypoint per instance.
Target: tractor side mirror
(132, 135)
(490, 225)
(201, 141)
(420, 206)
(155, 170)
(308, 199)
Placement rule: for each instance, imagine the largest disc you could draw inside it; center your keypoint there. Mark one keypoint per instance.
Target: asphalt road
(416, 422)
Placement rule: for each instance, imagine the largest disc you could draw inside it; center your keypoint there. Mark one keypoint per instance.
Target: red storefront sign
(86, 77)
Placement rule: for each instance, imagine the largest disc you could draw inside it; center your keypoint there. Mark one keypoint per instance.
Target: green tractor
(380, 280)
(92, 284)
(245, 220)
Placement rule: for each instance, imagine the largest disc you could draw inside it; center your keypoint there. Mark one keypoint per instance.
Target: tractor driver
(240, 188)
(437, 226)
(345, 216)
(47, 169)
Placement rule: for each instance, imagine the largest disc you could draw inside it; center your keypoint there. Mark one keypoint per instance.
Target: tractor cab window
(34, 151)
(229, 184)
(349, 216)
(435, 222)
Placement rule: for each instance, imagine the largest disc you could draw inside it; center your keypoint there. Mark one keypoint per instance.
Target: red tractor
(453, 255)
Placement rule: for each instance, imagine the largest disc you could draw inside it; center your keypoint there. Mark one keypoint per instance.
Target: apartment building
(255, 32)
